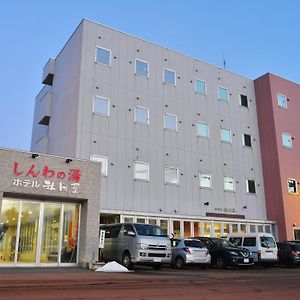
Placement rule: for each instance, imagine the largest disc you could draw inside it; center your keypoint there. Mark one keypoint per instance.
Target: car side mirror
(131, 233)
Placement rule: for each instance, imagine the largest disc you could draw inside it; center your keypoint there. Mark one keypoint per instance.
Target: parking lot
(145, 283)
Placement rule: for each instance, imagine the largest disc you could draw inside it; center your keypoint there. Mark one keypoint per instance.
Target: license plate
(157, 259)
(246, 260)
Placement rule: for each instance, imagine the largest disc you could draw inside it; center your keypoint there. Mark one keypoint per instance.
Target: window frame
(164, 81)
(205, 87)
(210, 180)
(108, 106)
(170, 129)
(247, 186)
(241, 101)
(291, 138)
(98, 62)
(102, 165)
(244, 144)
(286, 102)
(134, 170)
(233, 184)
(202, 136)
(225, 141)
(288, 188)
(135, 114)
(143, 61)
(220, 99)
(177, 175)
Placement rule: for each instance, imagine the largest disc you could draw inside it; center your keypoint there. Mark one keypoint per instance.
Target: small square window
(141, 170)
(171, 175)
(141, 68)
(202, 129)
(287, 140)
(103, 160)
(244, 100)
(267, 228)
(282, 101)
(251, 187)
(260, 228)
(226, 135)
(169, 77)
(103, 56)
(292, 186)
(229, 183)
(223, 94)
(200, 86)
(247, 140)
(170, 122)
(205, 180)
(141, 115)
(252, 228)
(101, 106)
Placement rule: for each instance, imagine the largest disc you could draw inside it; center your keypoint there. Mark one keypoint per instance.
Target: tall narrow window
(170, 122)
(244, 100)
(103, 56)
(103, 160)
(171, 175)
(101, 106)
(141, 115)
(229, 183)
(223, 94)
(282, 101)
(287, 140)
(200, 86)
(225, 135)
(205, 180)
(141, 170)
(202, 129)
(141, 68)
(247, 140)
(251, 186)
(169, 77)
(292, 186)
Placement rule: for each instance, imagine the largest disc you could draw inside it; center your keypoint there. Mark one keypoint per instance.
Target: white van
(262, 245)
(136, 243)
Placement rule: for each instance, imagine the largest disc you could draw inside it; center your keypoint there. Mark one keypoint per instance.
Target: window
(205, 180)
(103, 160)
(252, 228)
(251, 186)
(200, 86)
(141, 170)
(103, 56)
(202, 129)
(141, 115)
(228, 183)
(243, 228)
(249, 241)
(141, 68)
(170, 122)
(171, 175)
(244, 100)
(101, 106)
(267, 228)
(282, 101)
(223, 94)
(226, 135)
(292, 186)
(287, 140)
(169, 77)
(260, 228)
(247, 140)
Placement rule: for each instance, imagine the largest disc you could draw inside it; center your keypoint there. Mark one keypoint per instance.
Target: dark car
(224, 254)
(289, 253)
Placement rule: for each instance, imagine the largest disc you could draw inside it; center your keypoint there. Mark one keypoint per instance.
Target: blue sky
(256, 37)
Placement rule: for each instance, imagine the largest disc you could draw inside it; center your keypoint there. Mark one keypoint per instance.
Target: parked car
(224, 254)
(289, 253)
(189, 251)
(262, 245)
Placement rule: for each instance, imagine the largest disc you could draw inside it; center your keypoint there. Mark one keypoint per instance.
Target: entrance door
(297, 234)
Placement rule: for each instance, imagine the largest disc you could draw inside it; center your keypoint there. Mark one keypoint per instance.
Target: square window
(223, 94)
(202, 129)
(103, 56)
(225, 135)
(243, 228)
(141, 68)
(200, 86)
(103, 160)
(282, 101)
(169, 77)
(141, 170)
(101, 106)
(228, 183)
(292, 186)
(260, 228)
(171, 175)
(252, 228)
(247, 140)
(251, 187)
(244, 100)
(141, 115)
(287, 140)
(267, 228)
(205, 180)
(170, 122)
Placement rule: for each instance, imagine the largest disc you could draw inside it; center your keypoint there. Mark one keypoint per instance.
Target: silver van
(136, 243)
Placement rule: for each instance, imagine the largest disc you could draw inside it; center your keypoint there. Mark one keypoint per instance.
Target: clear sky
(256, 37)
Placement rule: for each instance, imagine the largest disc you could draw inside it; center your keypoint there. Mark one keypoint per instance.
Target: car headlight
(233, 253)
(142, 246)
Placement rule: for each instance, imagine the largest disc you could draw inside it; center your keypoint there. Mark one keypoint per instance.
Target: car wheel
(126, 260)
(220, 263)
(179, 263)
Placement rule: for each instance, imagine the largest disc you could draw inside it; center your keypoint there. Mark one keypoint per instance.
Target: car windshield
(150, 230)
(222, 243)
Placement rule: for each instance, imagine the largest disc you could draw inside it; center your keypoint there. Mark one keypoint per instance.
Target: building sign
(225, 209)
(47, 178)
(101, 239)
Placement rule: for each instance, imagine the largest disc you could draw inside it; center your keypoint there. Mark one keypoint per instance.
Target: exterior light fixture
(206, 203)
(34, 155)
(68, 160)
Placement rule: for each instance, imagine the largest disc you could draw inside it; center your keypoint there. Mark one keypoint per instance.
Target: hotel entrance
(35, 233)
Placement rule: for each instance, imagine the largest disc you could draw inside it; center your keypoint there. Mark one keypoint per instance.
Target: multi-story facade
(178, 138)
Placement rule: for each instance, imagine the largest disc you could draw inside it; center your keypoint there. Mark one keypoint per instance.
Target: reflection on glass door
(28, 236)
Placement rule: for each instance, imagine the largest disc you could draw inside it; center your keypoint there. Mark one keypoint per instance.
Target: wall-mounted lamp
(175, 211)
(68, 160)
(206, 203)
(160, 210)
(295, 224)
(34, 155)
(245, 207)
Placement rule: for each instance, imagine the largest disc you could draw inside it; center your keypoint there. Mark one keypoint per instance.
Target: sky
(254, 36)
